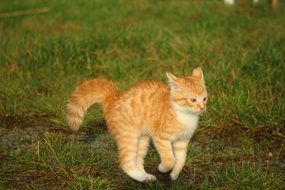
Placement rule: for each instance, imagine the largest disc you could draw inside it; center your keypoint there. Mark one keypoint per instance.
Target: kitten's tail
(98, 90)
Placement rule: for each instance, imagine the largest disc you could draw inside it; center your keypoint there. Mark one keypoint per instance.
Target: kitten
(168, 115)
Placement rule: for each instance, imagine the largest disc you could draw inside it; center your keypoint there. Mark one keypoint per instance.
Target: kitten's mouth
(201, 111)
(195, 112)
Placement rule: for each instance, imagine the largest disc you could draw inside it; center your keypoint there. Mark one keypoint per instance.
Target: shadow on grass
(92, 132)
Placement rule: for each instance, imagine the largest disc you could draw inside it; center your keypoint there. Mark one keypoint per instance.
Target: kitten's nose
(202, 108)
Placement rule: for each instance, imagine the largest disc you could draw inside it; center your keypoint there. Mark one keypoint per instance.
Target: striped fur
(89, 92)
(148, 110)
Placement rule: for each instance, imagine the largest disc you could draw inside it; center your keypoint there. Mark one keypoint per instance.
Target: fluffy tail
(92, 91)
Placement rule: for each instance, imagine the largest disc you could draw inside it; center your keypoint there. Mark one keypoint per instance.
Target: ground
(55, 45)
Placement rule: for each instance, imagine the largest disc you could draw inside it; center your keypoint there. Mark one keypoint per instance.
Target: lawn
(48, 47)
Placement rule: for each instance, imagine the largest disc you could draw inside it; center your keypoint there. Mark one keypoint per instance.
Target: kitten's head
(189, 93)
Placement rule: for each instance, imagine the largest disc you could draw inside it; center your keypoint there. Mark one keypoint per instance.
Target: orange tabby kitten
(168, 115)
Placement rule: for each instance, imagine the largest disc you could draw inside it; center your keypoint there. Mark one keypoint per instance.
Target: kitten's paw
(148, 178)
(173, 175)
(164, 169)
(141, 176)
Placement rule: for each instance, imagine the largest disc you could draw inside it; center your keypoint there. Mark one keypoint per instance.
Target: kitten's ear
(173, 81)
(171, 77)
(199, 73)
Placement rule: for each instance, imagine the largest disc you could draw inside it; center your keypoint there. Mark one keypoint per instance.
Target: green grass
(240, 142)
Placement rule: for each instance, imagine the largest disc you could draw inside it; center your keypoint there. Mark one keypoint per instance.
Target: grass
(240, 142)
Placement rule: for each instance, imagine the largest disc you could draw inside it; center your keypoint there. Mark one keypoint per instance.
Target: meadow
(46, 51)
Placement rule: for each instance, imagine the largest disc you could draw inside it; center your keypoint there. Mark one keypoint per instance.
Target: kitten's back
(140, 105)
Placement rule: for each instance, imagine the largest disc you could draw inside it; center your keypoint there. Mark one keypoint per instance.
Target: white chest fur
(188, 119)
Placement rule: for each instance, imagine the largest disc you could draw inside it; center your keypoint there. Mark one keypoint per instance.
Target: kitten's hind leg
(164, 149)
(142, 150)
(128, 145)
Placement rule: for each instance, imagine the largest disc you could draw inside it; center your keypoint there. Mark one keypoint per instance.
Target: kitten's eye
(193, 100)
(205, 99)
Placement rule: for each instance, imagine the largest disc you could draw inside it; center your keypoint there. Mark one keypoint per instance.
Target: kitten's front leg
(180, 150)
(164, 149)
